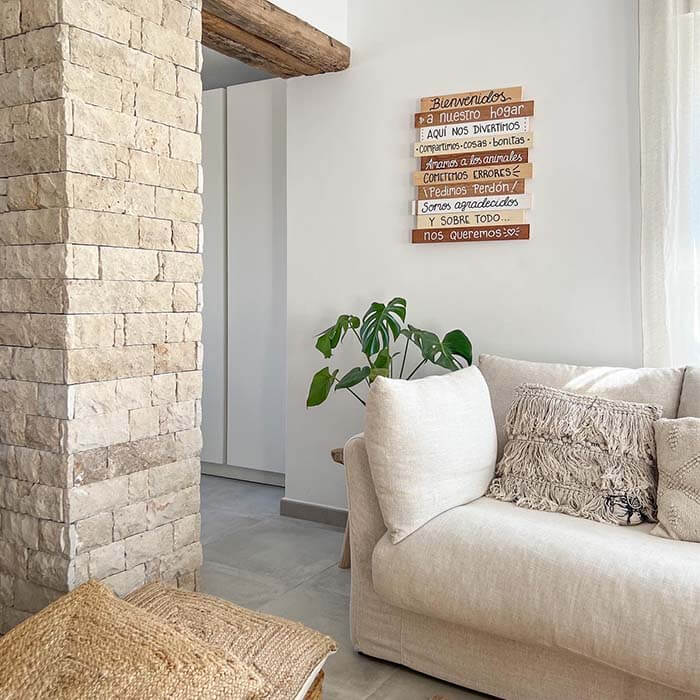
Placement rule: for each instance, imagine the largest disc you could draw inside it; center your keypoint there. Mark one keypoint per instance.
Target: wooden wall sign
(473, 154)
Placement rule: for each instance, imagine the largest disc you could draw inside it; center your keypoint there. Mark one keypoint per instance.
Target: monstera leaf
(353, 378)
(443, 352)
(329, 339)
(381, 324)
(381, 367)
(321, 385)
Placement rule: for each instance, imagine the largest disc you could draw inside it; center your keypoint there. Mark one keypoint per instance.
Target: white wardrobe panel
(215, 273)
(256, 143)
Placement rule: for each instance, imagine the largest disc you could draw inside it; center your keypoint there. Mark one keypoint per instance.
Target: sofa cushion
(615, 595)
(661, 387)
(690, 395)
(431, 445)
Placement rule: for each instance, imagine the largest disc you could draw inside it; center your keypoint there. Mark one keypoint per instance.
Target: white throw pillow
(431, 444)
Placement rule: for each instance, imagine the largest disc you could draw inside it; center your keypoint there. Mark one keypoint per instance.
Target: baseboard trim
(257, 476)
(302, 510)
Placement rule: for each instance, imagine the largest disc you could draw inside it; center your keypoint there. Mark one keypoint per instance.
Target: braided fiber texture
(284, 653)
(580, 455)
(89, 645)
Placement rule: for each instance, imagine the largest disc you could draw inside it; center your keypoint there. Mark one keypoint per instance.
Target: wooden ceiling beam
(265, 36)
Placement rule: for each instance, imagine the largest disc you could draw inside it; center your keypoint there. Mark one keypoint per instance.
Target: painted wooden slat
(473, 234)
(473, 129)
(467, 99)
(472, 160)
(513, 110)
(466, 145)
(470, 218)
(487, 172)
(463, 204)
(471, 189)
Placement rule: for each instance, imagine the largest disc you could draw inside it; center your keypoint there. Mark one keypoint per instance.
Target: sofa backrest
(661, 387)
(690, 394)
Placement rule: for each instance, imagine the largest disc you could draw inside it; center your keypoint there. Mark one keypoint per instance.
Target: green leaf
(320, 387)
(329, 339)
(443, 352)
(353, 377)
(378, 372)
(381, 323)
(382, 360)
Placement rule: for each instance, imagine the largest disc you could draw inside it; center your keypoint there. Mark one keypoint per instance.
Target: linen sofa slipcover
(498, 613)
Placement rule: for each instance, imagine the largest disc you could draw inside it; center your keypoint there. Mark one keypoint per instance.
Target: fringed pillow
(579, 455)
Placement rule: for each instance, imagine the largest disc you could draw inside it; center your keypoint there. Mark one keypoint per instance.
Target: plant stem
(403, 362)
(416, 369)
(357, 397)
(369, 362)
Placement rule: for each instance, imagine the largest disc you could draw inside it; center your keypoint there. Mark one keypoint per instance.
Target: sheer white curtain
(669, 81)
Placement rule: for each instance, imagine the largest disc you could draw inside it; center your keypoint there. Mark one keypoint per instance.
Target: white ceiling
(221, 71)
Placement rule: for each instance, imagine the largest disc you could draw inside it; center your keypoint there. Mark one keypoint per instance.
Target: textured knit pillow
(580, 455)
(286, 654)
(431, 445)
(678, 450)
(89, 645)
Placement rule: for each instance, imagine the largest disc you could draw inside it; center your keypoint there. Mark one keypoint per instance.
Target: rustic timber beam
(265, 36)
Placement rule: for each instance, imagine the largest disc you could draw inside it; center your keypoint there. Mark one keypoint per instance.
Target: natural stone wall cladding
(100, 296)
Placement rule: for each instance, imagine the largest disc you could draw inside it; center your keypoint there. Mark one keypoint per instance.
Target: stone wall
(100, 296)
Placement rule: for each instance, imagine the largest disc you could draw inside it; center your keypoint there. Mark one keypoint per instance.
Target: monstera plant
(380, 327)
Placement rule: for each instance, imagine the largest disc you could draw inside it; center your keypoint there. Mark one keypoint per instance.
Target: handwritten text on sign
(497, 126)
(470, 219)
(471, 160)
(496, 172)
(465, 235)
(471, 189)
(483, 143)
(443, 117)
(433, 206)
(470, 99)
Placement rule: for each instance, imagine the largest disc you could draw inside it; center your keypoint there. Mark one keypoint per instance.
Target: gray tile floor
(256, 558)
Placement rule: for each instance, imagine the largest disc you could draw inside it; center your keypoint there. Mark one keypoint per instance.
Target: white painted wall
(330, 16)
(569, 294)
(244, 400)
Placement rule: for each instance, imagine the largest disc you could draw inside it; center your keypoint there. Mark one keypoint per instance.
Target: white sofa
(526, 604)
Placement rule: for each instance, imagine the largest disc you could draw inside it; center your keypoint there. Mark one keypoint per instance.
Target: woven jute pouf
(283, 652)
(89, 645)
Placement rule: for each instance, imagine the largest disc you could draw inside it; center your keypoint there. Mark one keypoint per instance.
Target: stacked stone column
(100, 296)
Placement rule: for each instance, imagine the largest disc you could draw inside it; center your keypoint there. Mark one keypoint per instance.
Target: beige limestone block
(169, 45)
(32, 597)
(20, 529)
(181, 267)
(33, 261)
(165, 76)
(43, 433)
(143, 329)
(98, 17)
(55, 537)
(13, 558)
(106, 56)
(93, 532)
(154, 137)
(185, 297)
(90, 466)
(147, 545)
(172, 506)
(30, 156)
(115, 296)
(85, 155)
(47, 83)
(163, 389)
(107, 560)
(96, 431)
(143, 167)
(48, 569)
(186, 236)
(176, 16)
(36, 48)
(102, 228)
(155, 234)
(38, 365)
(78, 570)
(178, 174)
(39, 13)
(188, 443)
(6, 130)
(48, 330)
(136, 456)
(44, 119)
(94, 398)
(138, 487)
(92, 87)
(90, 331)
(43, 191)
(98, 497)
(38, 500)
(175, 357)
(10, 11)
(83, 262)
(37, 226)
(181, 561)
(177, 476)
(7, 592)
(39, 296)
(130, 520)
(185, 145)
(14, 329)
(123, 583)
(94, 365)
(54, 401)
(39, 467)
(165, 109)
(180, 206)
(189, 84)
(189, 386)
(20, 396)
(186, 531)
(129, 264)
(183, 327)
(17, 88)
(144, 422)
(104, 194)
(134, 392)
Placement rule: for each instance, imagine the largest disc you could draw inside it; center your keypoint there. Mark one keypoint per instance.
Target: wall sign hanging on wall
(474, 158)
